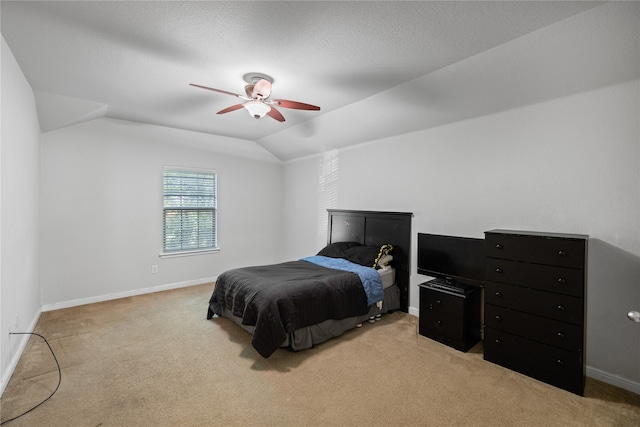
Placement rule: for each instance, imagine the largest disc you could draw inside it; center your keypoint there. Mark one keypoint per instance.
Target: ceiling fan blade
(217, 90)
(230, 109)
(261, 89)
(295, 105)
(248, 89)
(275, 114)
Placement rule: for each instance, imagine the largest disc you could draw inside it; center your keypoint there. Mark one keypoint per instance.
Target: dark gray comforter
(280, 298)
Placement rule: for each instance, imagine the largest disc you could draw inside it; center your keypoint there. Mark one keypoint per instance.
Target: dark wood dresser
(450, 314)
(534, 311)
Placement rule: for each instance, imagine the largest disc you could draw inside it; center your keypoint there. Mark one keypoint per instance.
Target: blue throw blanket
(369, 277)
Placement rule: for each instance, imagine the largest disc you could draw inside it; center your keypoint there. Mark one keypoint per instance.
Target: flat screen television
(454, 260)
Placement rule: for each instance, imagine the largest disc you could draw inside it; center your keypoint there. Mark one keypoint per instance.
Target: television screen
(455, 260)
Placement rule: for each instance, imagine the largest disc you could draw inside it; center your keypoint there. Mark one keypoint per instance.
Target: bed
(301, 303)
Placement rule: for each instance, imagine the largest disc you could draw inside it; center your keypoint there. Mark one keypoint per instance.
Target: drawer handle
(562, 253)
(560, 362)
(498, 294)
(499, 270)
(439, 322)
(560, 335)
(562, 280)
(499, 246)
(498, 341)
(498, 317)
(561, 307)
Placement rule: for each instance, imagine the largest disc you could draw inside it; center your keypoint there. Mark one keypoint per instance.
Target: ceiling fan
(257, 101)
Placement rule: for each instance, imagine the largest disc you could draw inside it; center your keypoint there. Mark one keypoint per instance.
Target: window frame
(164, 253)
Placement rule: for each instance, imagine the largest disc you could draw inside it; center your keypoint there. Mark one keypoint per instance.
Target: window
(189, 210)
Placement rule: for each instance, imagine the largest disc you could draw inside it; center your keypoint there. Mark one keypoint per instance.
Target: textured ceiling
(375, 68)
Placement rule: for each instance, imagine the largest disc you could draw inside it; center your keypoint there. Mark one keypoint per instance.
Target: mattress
(388, 276)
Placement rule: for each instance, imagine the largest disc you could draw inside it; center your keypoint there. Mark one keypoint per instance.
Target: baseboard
(22, 343)
(108, 297)
(613, 380)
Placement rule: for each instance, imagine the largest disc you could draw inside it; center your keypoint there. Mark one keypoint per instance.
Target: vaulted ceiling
(376, 69)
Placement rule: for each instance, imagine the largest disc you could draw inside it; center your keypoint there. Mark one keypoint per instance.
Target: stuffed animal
(383, 258)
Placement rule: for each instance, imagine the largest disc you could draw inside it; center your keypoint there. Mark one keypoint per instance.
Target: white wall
(569, 165)
(101, 211)
(19, 152)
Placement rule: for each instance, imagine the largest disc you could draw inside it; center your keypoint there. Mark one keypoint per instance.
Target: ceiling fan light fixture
(257, 109)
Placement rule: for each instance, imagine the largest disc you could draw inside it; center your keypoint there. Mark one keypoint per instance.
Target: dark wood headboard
(373, 228)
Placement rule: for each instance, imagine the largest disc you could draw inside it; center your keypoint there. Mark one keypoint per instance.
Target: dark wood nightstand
(450, 314)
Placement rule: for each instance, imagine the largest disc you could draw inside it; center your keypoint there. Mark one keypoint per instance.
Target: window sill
(188, 253)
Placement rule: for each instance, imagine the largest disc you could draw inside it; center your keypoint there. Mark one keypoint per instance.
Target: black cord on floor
(59, 376)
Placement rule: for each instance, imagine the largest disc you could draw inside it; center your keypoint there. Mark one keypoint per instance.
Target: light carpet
(154, 360)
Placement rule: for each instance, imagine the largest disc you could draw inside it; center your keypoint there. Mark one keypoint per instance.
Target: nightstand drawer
(536, 249)
(555, 306)
(441, 302)
(433, 322)
(448, 330)
(560, 280)
(548, 331)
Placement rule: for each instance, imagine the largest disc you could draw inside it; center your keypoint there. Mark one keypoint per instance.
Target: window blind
(189, 209)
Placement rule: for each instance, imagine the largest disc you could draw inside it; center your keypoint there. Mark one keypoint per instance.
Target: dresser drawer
(536, 249)
(562, 280)
(553, 332)
(555, 306)
(441, 302)
(534, 355)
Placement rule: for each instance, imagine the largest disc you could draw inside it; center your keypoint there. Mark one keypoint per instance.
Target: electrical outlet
(154, 269)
